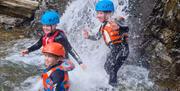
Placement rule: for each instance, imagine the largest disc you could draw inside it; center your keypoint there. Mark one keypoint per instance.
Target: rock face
(155, 28)
(162, 44)
(139, 12)
(12, 75)
(18, 8)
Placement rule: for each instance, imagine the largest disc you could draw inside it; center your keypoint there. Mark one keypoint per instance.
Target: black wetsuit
(57, 78)
(62, 39)
(118, 54)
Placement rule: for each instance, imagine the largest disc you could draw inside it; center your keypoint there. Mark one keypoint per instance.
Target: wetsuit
(55, 79)
(60, 38)
(119, 50)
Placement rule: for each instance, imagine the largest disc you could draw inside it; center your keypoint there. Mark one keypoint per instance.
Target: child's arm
(35, 46)
(121, 22)
(95, 37)
(67, 65)
(63, 40)
(57, 78)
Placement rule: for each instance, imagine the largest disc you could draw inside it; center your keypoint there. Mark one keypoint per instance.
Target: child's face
(48, 28)
(50, 60)
(101, 16)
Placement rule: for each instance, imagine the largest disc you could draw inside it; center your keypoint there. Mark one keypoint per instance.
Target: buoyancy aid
(112, 36)
(48, 39)
(48, 83)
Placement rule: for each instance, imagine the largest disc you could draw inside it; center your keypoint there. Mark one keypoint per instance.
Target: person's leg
(113, 79)
(119, 62)
(110, 67)
(118, 56)
(114, 69)
(107, 65)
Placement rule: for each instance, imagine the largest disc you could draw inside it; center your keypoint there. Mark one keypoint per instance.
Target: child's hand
(24, 52)
(83, 66)
(67, 65)
(85, 32)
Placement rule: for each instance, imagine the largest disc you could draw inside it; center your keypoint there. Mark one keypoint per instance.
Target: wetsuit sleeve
(57, 77)
(61, 38)
(95, 37)
(67, 65)
(75, 56)
(122, 25)
(35, 46)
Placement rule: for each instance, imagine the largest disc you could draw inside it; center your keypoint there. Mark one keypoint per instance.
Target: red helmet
(54, 48)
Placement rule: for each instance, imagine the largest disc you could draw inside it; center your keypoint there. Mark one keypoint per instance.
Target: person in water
(115, 35)
(55, 76)
(49, 21)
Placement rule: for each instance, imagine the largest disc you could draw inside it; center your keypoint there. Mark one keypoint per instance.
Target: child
(115, 37)
(55, 78)
(49, 20)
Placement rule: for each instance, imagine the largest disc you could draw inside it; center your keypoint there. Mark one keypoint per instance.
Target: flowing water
(80, 14)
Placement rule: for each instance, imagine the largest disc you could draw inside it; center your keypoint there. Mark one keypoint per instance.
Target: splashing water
(80, 14)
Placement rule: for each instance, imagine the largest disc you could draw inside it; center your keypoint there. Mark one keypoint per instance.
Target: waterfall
(80, 14)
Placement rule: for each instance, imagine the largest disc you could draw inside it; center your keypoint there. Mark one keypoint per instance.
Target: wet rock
(12, 74)
(162, 50)
(178, 17)
(139, 11)
(16, 7)
(159, 40)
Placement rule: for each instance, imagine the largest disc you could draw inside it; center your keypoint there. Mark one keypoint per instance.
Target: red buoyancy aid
(48, 83)
(112, 36)
(50, 39)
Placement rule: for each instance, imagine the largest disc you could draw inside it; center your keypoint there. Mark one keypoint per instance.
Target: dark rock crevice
(162, 51)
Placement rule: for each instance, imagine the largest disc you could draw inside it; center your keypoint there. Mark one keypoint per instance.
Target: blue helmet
(50, 17)
(105, 5)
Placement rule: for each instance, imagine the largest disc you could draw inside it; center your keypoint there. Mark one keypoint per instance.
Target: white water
(80, 14)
